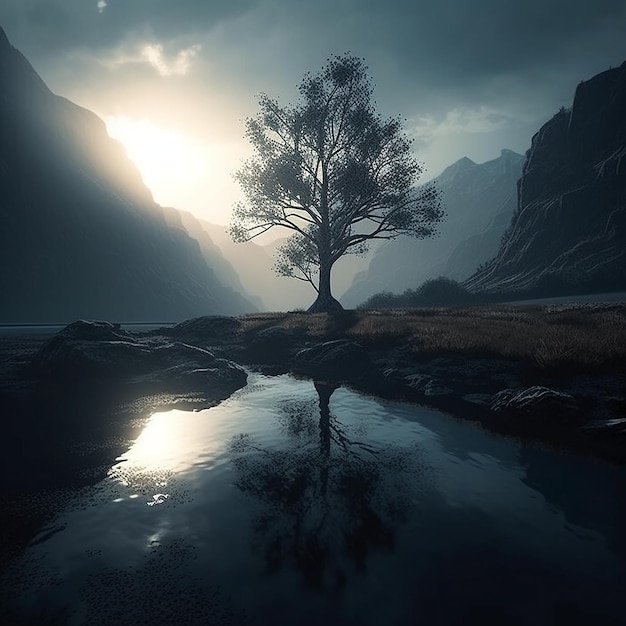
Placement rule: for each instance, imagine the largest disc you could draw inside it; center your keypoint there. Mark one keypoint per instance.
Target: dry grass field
(571, 336)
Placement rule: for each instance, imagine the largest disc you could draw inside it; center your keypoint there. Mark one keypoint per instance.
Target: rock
(272, 345)
(85, 349)
(481, 399)
(613, 417)
(422, 383)
(341, 359)
(433, 388)
(204, 331)
(417, 382)
(616, 425)
(102, 351)
(94, 331)
(446, 376)
(531, 399)
(222, 379)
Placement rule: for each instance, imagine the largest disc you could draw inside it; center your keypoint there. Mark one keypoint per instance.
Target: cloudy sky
(174, 79)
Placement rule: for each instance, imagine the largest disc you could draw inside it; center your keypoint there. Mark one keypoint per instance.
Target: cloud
(458, 121)
(179, 65)
(154, 55)
(454, 46)
(54, 27)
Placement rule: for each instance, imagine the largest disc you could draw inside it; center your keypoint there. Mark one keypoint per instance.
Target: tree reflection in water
(327, 501)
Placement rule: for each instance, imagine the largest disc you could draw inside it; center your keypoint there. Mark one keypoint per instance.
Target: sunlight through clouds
(153, 54)
(179, 170)
(178, 66)
(159, 153)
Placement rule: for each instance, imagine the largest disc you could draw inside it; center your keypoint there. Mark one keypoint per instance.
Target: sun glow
(172, 441)
(180, 171)
(158, 153)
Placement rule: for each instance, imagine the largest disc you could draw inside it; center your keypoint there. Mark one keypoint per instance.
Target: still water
(298, 503)
(15, 330)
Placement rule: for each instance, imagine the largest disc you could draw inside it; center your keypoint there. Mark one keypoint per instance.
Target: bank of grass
(572, 336)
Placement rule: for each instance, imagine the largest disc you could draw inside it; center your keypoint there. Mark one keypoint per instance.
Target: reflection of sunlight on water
(172, 442)
(384, 503)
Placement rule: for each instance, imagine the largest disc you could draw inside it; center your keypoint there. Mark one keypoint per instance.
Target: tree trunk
(325, 303)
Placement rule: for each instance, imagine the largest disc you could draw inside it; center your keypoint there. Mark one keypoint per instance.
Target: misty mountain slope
(482, 245)
(81, 236)
(254, 266)
(479, 200)
(212, 253)
(569, 230)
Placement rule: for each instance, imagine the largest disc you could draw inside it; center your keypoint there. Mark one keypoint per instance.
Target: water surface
(14, 330)
(298, 503)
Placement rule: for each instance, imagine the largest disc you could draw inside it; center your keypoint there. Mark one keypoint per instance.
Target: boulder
(340, 359)
(532, 399)
(103, 351)
(272, 345)
(206, 330)
(416, 382)
(613, 417)
(89, 348)
(616, 425)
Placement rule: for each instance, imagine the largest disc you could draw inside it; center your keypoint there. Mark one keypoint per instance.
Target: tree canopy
(332, 171)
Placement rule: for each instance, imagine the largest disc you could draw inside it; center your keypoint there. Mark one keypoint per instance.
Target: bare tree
(335, 173)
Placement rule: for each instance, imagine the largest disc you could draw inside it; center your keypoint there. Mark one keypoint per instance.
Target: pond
(296, 502)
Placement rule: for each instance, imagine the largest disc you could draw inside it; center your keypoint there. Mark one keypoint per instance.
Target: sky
(174, 80)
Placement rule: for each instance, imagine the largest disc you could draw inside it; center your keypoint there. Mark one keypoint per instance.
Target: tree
(333, 172)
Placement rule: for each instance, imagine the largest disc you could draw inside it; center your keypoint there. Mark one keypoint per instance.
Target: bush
(444, 292)
(435, 292)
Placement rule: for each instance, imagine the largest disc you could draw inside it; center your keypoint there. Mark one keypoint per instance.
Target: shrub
(443, 292)
(436, 292)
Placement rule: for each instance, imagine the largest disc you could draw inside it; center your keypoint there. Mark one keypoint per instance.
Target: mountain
(253, 263)
(212, 253)
(479, 200)
(568, 233)
(81, 236)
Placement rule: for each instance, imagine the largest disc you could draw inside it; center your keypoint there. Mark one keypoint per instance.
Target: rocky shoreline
(74, 401)
(584, 412)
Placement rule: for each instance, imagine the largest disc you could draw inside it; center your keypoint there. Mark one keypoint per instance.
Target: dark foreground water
(295, 503)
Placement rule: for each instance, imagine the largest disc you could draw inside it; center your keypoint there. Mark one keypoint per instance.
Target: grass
(579, 336)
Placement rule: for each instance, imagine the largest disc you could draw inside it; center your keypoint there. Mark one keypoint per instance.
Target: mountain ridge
(568, 232)
(82, 236)
(479, 200)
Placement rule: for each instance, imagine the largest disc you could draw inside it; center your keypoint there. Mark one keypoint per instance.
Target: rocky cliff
(479, 200)
(568, 233)
(80, 235)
